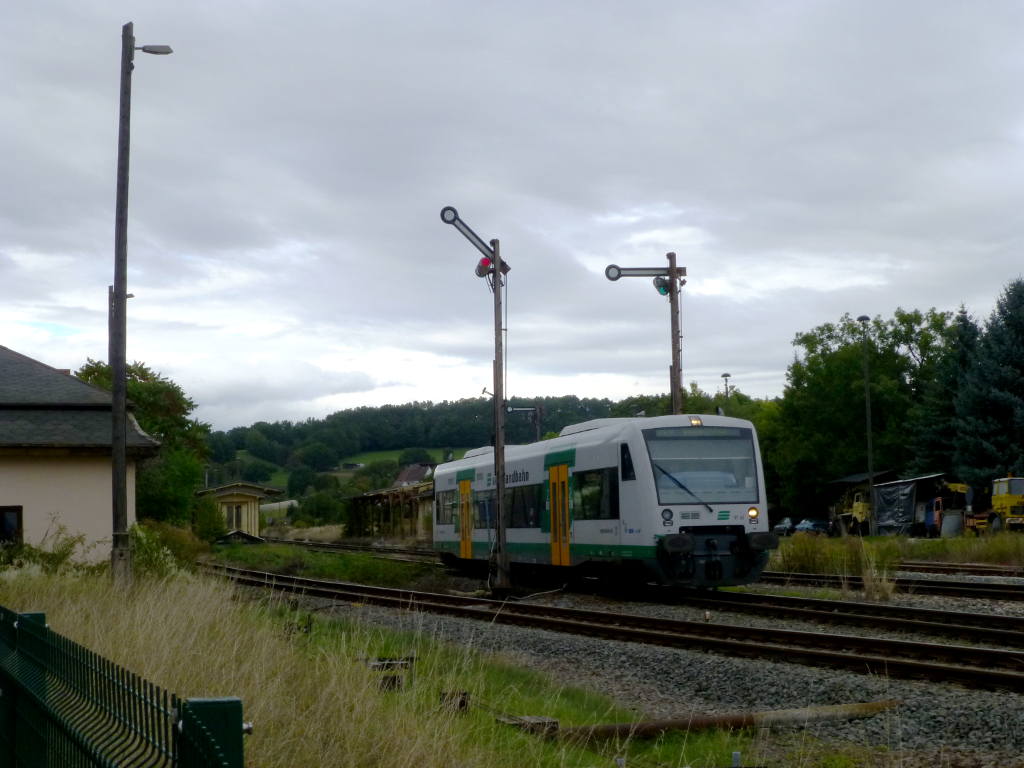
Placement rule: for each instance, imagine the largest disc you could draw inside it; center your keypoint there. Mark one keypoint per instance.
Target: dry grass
(1005, 548)
(311, 695)
(321, 533)
(872, 560)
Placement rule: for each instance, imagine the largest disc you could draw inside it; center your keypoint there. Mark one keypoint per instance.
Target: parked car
(815, 526)
(784, 527)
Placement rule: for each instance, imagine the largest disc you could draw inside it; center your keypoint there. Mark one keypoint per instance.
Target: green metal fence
(63, 706)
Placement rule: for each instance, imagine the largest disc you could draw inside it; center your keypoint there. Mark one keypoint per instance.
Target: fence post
(211, 722)
(30, 738)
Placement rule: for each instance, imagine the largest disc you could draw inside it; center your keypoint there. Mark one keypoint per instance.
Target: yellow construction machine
(1006, 511)
(1008, 502)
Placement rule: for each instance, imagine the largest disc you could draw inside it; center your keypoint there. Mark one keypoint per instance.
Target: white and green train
(679, 499)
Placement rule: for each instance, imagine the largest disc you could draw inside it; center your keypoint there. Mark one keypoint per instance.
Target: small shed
(239, 502)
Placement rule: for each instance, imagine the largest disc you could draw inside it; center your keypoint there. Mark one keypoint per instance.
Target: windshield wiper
(678, 482)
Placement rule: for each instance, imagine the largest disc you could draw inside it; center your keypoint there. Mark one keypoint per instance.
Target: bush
(183, 545)
(54, 555)
(149, 556)
(208, 522)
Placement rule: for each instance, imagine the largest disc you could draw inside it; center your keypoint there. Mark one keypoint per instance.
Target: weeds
(311, 692)
(343, 566)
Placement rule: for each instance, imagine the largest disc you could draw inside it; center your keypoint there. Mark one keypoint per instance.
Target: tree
(821, 430)
(164, 485)
(257, 471)
(299, 480)
(933, 429)
(322, 507)
(317, 455)
(160, 406)
(414, 456)
(221, 447)
(990, 401)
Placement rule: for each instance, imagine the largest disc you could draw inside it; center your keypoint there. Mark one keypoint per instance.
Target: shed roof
(42, 407)
(250, 489)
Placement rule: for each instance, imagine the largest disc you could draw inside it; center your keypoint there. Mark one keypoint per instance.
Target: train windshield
(695, 465)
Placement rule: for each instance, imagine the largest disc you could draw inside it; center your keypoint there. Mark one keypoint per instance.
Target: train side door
(558, 494)
(465, 519)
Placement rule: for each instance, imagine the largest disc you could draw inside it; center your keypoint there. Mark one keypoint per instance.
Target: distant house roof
(42, 407)
(249, 489)
(414, 473)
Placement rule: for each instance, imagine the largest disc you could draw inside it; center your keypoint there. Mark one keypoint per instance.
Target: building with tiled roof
(55, 456)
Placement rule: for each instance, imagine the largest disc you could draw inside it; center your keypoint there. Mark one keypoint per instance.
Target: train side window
(447, 507)
(595, 495)
(626, 462)
(525, 503)
(484, 501)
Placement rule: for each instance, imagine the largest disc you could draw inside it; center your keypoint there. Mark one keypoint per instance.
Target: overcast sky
(289, 162)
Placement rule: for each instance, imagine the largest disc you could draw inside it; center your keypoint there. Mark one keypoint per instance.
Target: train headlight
(666, 515)
(752, 513)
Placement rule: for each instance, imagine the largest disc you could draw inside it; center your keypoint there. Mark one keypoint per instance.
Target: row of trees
(947, 395)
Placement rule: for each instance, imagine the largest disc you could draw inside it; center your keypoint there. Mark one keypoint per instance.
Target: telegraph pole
(667, 282)
(117, 295)
(494, 269)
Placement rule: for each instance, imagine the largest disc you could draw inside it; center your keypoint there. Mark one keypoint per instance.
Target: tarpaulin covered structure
(897, 507)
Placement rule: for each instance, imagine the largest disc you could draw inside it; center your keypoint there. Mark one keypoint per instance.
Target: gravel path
(936, 725)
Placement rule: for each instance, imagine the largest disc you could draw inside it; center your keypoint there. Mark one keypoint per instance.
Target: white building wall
(73, 491)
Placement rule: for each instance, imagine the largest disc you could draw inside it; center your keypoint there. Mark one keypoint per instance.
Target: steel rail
(996, 669)
(973, 569)
(967, 627)
(919, 586)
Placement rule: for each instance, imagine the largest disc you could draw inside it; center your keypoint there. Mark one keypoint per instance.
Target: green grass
(1004, 548)
(370, 456)
(300, 561)
(856, 556)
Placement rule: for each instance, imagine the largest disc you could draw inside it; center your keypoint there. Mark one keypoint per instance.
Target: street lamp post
(492, 267)
(726, 376)
(667, 281)
(120, 556)
(872, 523)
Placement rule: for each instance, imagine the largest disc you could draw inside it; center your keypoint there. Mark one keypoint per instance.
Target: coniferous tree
(990, 402)
(933, 422)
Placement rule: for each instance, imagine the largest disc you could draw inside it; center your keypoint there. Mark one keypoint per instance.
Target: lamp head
(863, 319)
(449, 215)
(158, 50)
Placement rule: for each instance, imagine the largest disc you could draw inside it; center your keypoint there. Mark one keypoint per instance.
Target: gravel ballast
(935, 725)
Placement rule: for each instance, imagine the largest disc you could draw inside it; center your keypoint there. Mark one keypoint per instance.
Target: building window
(10, 525)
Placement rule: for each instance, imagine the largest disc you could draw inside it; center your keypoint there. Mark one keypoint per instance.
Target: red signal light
(484, 267)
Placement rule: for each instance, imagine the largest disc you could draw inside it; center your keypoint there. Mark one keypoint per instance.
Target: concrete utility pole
(494, 270)
(667, 282)
(120, 555)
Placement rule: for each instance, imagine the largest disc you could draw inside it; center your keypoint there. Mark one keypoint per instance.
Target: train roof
(595, 431)
(710, 420)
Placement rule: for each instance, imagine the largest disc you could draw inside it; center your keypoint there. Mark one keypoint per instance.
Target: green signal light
(661, 285)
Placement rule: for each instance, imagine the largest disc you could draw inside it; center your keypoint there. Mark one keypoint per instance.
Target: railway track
(990, 669)
(411, 553)
(957, 625)
(914, 586)
(969, 569)
(908, 566)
